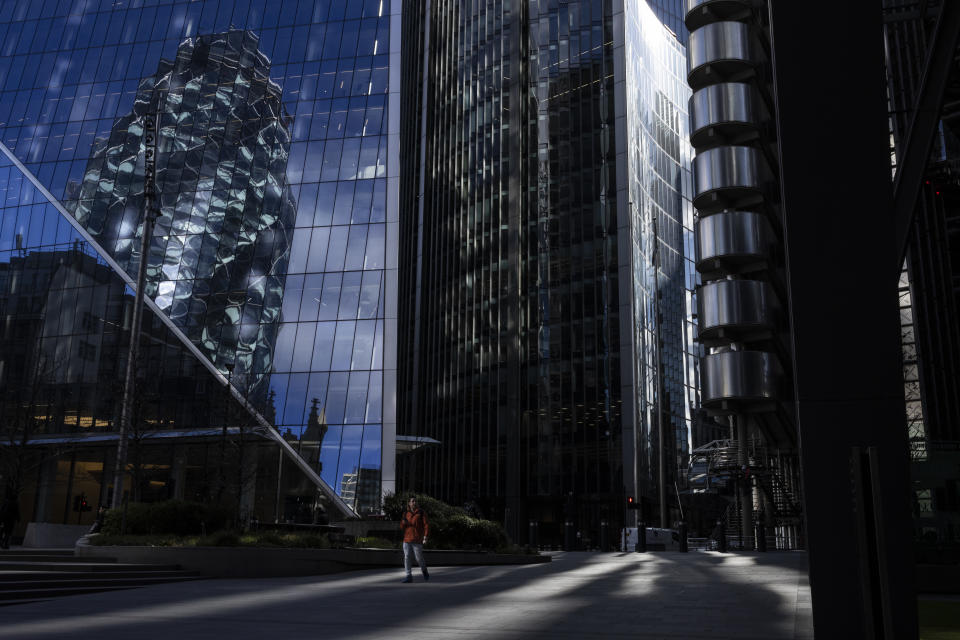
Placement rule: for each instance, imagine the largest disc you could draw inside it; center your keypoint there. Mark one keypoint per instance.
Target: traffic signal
(632, 503)
(80, 503)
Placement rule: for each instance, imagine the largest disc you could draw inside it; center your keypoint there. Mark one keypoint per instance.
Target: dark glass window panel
(318, 249)
(299, 251)
(380, 75)
(373, 123)
(294, 411)
(350, 295)
(367, 37)
(356, 117)
(375, 400)
(306, 203)
(362, 200)
(317, 389)
(369, 295)
(331, 42)
(314, 49)
(349, 452)
(337, 247)
(338, 9)
(330, 301)
(330, 452)
(331, 160)
(303, 349)
(363, 344)
(357, 397)
(323, 345)
(379, 211)
(343, 346)
(378, 346)
(356, 243)
(344, 203)
(314, 161)
(337, 396)
(375, 247)
(326, 196)
(283, 352)
(349, 159)
(312, 290)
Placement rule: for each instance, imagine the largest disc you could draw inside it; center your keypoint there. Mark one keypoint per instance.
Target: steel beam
(913, 159)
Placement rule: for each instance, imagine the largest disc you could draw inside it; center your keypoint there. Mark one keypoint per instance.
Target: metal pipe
(133, 347)
(661, 429)
(746, 492)
(276, 509)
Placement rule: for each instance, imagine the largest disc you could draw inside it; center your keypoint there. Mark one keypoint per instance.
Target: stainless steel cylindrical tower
(735, 230)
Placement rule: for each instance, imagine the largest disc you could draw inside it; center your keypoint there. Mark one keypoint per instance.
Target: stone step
(37, 557)
(8, 565)
(53, 592)
(29, 551)
(86, 581)
(20, 576)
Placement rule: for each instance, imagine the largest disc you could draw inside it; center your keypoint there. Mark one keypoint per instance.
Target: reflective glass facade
(660, 218)
(274, 257)
(526, 323)
(671, 13)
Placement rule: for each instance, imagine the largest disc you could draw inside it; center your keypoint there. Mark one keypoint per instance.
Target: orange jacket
(414, 526)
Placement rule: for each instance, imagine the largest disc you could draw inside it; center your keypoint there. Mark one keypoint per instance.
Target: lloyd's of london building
(515, 286)
(267, 368)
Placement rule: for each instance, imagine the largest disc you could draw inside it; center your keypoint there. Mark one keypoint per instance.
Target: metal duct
(731, 241)
(739, 376)
(734, 308)
(731, 169)
(701, 12)
(718, 51)
(721, 111)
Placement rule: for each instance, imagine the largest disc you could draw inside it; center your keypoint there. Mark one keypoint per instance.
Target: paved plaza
(579, 595)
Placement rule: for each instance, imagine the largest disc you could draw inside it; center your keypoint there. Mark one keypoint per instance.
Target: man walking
(415, 527)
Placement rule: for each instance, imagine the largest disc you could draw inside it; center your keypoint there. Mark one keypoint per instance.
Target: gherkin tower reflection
(222, 241)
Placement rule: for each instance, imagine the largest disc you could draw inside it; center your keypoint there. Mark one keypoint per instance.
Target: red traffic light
(632, 503)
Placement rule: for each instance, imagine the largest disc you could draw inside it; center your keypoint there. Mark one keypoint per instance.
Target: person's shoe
(426, 576)
(408, 579)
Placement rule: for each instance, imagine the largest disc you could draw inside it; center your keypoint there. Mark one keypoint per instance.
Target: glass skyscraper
(273, 264)
(546, 288)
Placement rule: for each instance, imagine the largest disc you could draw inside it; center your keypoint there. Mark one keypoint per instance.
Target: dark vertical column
(510, 380)
(840, 240)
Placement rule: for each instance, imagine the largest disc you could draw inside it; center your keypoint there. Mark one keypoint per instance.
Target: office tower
(272, 265)
(546, 281)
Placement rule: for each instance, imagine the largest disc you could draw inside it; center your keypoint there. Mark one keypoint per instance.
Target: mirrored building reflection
(221, 244)
(273, 262)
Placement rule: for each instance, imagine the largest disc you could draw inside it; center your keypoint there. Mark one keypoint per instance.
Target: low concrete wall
(938, 578)
(46, 535)
(266, 562)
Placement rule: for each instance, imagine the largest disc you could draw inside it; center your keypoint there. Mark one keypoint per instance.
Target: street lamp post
(150, 214)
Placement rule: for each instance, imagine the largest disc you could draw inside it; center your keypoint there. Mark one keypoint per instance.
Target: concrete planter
(267, 562)
(45, 535)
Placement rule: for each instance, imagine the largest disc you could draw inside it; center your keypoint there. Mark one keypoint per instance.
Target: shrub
(450, 527)
(171, 517)
(220, 539)
(106, 540)
(374, 542)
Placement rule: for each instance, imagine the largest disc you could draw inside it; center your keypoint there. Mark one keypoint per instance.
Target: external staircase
(41, 574)
(715, 468)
